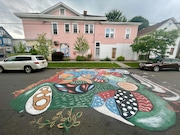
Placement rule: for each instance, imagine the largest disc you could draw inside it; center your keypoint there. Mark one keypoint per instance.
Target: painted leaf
(60, 125)
(78, 115)
(59, 113)
(77, 123)
(52, 124)
(64, 119)
(32, 122)
(55, 118)
(47, 121)
(39, 120)
(41, 125)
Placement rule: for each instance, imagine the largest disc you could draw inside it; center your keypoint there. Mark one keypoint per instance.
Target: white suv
(28, 63)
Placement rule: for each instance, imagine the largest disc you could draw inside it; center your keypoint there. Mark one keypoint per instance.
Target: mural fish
(115, 93)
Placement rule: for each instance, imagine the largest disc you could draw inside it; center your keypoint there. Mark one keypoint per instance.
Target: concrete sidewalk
(122, 64)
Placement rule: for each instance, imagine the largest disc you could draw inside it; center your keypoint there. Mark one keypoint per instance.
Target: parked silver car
(28, 63)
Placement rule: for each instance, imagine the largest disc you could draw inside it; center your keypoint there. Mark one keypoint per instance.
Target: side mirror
(5, 60)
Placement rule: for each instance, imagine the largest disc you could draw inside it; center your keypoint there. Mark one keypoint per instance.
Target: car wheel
(156, 68)
(1, 69)
(27, 69)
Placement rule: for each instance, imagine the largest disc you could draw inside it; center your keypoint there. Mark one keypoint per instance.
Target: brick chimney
(85, 12)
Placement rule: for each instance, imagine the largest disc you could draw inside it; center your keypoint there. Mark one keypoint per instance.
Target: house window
(5, 40)
(75, 28)
(97, 50)
(109, 33)
(127, 33)
(55, 28)
(62, 11)
(171, 51)
(9, 41)
(1, 33)
(89, 28)
(67, 28)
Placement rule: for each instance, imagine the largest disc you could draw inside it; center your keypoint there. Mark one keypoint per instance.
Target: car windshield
(40, 58)
(10, 59)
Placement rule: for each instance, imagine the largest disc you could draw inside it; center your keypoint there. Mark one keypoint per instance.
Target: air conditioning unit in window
(56, 42)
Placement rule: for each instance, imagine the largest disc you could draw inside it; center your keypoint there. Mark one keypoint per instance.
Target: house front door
(113, 52)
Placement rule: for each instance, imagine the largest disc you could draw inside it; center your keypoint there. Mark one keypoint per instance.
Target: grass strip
(83, 65)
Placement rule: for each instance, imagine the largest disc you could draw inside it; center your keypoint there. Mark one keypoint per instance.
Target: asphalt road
(92, 122)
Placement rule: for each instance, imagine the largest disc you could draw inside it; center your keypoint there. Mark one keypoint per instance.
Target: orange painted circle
(128, 86)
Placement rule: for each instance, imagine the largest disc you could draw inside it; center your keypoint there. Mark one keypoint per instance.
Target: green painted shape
(67, 100)
(159, 118)
(19, 102)
(62, 99)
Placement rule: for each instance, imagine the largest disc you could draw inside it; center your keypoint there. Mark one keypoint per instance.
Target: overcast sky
(153, 10)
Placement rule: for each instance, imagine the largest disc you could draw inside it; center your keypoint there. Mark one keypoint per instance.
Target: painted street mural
(119, 94)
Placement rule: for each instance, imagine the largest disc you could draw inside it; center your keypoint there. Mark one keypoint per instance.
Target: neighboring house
(16, 43)
(5, 42)
(62, 25)
(169, 24)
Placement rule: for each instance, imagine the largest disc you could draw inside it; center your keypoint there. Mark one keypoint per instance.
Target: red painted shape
(107, 94)
(144, 104)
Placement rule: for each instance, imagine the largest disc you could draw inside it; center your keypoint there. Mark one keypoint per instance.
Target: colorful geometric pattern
(115, 93)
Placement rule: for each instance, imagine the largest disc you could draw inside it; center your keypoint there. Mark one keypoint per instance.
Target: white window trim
(60, 12)
(73, 27)
(65, 28)
(88, 28)
(128, 33)
(110, 32)
(53, 29)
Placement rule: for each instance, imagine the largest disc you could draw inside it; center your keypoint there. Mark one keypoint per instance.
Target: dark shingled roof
(151, 28)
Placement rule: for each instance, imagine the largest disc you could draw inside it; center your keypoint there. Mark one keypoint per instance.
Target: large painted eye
(40, 101)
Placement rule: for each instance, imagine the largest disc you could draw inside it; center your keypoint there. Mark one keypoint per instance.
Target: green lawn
(83, 65)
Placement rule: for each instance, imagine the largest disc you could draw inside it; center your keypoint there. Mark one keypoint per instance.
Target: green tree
(144, 21)
(115, 16)
(81, 45)
(156, 42)
(20, 48)
(43, 45)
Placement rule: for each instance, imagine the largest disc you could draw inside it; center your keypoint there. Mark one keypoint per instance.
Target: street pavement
(91, 121)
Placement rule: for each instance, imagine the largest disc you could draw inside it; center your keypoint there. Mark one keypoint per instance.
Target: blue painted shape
(111, 105)
(77, 89)
(97, 101)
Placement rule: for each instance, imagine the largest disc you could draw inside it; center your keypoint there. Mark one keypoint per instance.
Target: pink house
(62, 25)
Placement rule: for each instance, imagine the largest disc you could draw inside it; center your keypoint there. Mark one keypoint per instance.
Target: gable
(59, 8)
(169, 24)
(4, 33)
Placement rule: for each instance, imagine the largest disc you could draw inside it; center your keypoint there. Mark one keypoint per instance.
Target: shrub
(66, 59)
(120, 58)
(33, 51)
(80, 58)
(89, 56)
(106, 59)
(57, 56)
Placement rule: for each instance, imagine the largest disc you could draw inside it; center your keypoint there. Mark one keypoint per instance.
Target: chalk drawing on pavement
(119, 94)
